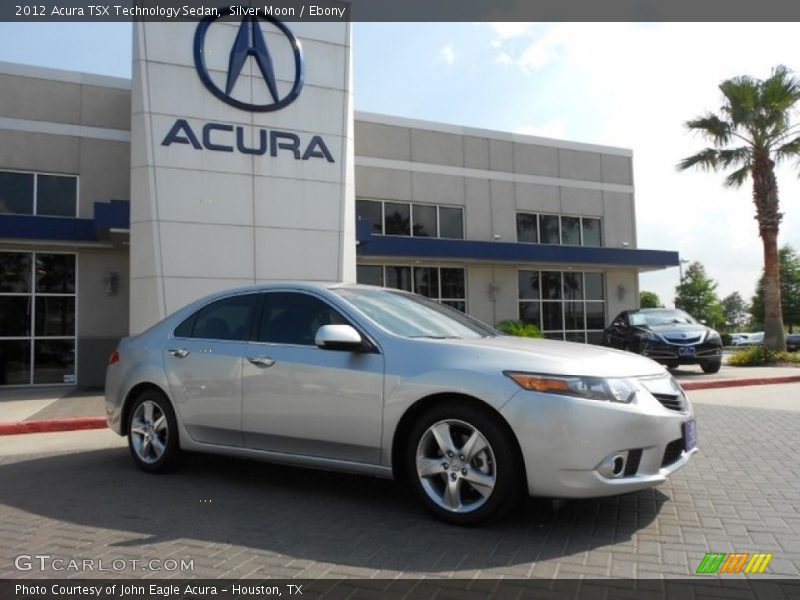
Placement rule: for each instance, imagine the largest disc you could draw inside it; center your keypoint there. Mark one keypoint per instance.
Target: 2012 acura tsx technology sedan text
(387, 383)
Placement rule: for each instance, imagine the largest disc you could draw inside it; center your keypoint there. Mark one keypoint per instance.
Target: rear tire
(153, 433)
(711, 367)
(462, 464)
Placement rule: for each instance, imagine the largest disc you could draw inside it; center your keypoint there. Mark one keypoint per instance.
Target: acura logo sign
(250, 43)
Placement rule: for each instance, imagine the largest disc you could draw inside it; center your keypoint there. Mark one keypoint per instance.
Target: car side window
(226, 319)
(294, 318)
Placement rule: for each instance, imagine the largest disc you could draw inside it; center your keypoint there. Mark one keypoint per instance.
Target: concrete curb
(725, 383)
(52, 425)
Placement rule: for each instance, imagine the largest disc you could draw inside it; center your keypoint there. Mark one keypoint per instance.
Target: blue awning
(370, 245)
(108, 216)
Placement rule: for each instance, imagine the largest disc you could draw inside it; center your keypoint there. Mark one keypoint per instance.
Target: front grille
(632, 466)
(670, 401)
(673, 452)
(682, 341)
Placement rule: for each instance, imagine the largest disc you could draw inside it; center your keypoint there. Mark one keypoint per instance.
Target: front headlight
(712, 337)
(593, 388)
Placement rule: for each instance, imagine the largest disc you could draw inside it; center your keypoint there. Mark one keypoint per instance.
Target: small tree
(649, 300)
(697, 295)
(737, 312)
(789, 273)
(519, 329)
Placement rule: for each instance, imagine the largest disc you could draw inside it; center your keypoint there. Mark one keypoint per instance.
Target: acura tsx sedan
(386, 383)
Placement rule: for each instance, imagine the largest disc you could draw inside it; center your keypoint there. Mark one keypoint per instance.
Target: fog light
(613, 465)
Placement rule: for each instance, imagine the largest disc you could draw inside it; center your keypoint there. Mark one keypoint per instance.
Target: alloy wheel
(456, 466)
(149, 432)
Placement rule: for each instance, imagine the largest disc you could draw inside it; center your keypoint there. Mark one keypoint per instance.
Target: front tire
(462, 464)
(711, 367)
(153, 433)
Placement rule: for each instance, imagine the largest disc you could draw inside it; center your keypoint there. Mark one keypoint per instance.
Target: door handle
(261, 361)
(179, 352)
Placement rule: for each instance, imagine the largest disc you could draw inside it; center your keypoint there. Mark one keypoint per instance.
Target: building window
(397, 219)
(590, 230)
(548, 229)
(370, 275)
(451, 223)
(527, 228)
(426, 224)
(37, 318)
(571, 231)
(535, 228)
(371, 211)
(417, 220)
(38, 194)
(565, 305)
(443, 284)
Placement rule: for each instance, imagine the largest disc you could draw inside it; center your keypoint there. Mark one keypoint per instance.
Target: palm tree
(752, 133)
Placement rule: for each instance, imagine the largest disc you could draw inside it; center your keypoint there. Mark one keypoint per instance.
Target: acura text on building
(223, 137)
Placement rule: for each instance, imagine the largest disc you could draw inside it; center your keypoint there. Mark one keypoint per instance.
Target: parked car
(735, 337)
(387, 383)
(667, 335)
(793, 342)
(749, 339)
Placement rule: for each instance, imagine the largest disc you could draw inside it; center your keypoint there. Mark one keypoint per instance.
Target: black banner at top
(407, 10)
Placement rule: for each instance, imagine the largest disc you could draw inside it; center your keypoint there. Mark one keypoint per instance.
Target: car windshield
(661, 317)
(413, 316)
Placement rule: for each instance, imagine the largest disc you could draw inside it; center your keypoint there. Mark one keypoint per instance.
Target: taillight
(114, 358)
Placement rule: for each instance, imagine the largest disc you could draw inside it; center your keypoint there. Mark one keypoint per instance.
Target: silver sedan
(386, 383)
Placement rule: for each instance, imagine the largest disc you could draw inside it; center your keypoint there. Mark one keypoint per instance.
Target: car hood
(553, 357)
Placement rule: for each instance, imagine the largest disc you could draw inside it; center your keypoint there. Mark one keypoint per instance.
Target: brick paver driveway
(244, 519)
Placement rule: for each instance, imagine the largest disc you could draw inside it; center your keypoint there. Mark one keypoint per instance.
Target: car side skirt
(297, 460)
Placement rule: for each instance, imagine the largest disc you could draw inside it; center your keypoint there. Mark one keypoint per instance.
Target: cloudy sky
(625, 84)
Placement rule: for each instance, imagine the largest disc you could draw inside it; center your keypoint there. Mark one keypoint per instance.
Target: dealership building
(234, 156)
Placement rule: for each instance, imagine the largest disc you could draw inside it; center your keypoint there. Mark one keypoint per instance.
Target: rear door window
(226, 319)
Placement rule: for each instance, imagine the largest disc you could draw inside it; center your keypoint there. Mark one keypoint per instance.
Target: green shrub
(726, 339)
(755, 356)
(519, 329)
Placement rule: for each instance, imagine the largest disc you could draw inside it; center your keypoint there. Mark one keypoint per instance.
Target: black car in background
(667, 335)
(793, 342)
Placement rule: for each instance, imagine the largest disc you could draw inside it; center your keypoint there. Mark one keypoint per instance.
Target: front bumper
(566, 443)
(689, 354)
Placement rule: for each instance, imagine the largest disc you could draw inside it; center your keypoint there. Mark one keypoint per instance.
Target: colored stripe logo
(734, 562)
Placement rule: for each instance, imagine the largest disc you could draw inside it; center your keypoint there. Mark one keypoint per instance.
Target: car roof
(296, 285)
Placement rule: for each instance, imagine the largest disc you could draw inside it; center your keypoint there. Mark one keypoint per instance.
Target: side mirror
(339, 337)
